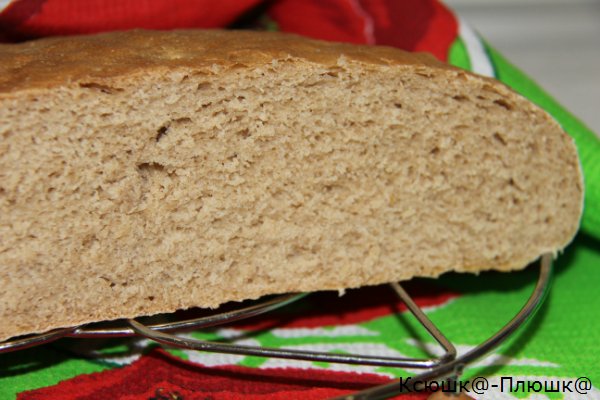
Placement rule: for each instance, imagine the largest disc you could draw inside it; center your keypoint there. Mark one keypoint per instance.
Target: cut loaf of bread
(145, 172)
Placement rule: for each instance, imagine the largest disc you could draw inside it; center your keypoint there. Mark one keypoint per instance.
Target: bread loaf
(144, 172)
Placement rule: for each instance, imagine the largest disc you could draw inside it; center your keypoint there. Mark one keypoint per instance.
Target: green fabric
(40, 367)
(458, 54)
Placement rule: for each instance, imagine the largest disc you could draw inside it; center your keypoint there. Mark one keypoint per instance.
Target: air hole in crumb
(220, 112)
(398, 105)
(244, 133)
(182, 120)
(149, 167)
(548, 220)
(499, 138)
(330, 73)
(162, 131)
(151, 298)
(533, 147)
(110, 282)
(434, 151)
(503, 104)
(511, 182)
(88, 241)
(98, 86)
(203, 85)
(460, 97)
(489, 88)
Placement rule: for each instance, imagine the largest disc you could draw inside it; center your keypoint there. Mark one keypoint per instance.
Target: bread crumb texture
(148, 172)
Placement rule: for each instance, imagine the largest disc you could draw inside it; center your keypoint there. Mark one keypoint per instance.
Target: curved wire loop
(454, 367)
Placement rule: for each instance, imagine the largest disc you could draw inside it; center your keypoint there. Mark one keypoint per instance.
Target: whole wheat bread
(145, 172)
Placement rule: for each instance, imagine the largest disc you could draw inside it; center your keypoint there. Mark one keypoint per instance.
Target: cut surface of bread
(145, 172)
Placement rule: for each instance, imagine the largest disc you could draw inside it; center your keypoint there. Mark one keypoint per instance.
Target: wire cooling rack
(448, 365)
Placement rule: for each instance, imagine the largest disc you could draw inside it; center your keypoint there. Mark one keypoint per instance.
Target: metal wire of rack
(448, 365)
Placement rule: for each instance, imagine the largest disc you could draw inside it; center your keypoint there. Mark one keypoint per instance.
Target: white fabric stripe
(338, 331)
(480, 62)
(3, 4)
(369, 29)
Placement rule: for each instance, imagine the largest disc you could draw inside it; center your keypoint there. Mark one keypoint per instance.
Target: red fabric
(441, 33)
(159, 376)
(35, 18)
(414, 25)
(335, 20)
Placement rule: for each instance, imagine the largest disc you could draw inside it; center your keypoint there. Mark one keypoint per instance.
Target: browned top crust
(58, 61)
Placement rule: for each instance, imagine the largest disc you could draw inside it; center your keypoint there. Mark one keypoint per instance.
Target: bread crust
(57, 61)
